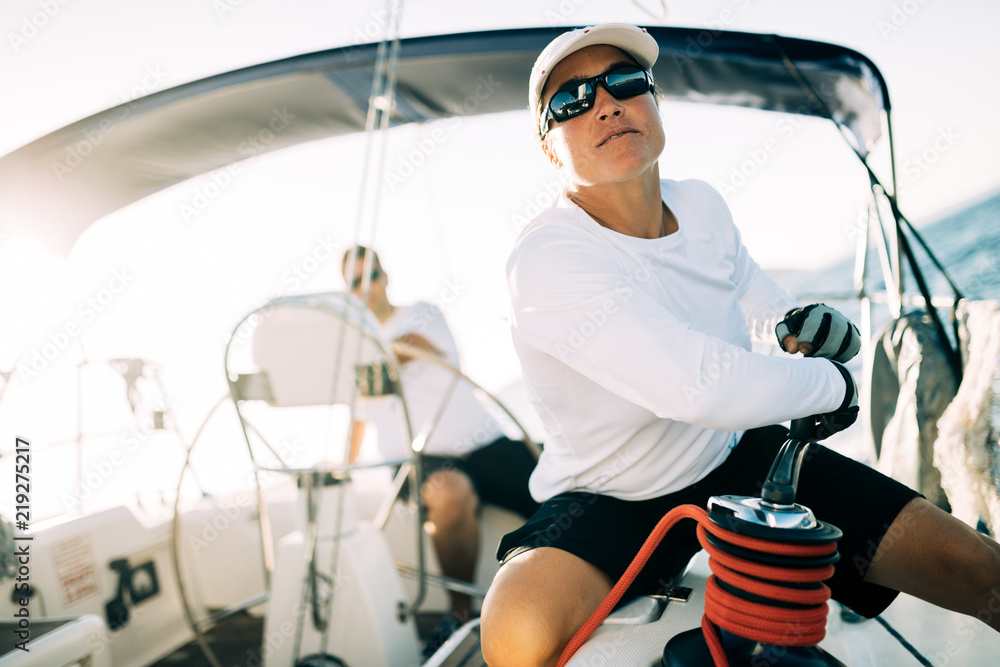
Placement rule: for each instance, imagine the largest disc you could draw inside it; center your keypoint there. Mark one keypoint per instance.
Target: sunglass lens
(627, 82)
(570, 102)
(573, 99)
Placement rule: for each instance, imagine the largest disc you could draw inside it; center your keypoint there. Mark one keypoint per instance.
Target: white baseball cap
(631, 39)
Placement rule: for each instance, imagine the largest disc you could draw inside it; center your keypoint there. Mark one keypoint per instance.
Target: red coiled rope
(759, 622)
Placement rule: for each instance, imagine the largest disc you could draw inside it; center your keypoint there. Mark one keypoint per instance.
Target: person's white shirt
(636, 352)
(464, 423)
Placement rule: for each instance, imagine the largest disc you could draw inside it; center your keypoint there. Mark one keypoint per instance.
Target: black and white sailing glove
(836, 421)
(831, 335)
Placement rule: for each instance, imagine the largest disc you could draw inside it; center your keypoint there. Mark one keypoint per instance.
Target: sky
(147, 282)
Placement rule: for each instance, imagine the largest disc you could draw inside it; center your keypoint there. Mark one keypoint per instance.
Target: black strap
(849, 381)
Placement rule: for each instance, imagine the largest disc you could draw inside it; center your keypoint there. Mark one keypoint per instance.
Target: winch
(765, 603)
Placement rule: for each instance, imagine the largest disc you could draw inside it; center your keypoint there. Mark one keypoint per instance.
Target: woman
(633, 304)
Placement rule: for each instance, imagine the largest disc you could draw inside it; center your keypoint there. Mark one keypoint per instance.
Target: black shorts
(499, 472)
(608, 532)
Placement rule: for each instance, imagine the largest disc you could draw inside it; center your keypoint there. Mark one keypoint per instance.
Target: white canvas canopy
(57, 185)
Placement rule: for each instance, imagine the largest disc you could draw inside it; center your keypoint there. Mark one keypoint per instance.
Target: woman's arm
(572, 300)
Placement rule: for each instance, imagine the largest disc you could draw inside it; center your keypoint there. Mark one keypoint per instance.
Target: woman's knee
(512, 633)
(535, 604)
(510, 639)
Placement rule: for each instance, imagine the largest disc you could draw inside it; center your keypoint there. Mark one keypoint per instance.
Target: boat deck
(237, 641)
(234, 640)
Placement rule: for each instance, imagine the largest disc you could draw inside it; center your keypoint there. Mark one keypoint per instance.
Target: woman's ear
(550, 152)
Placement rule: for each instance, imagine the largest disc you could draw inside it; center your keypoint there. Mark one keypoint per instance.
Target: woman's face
(614, 141)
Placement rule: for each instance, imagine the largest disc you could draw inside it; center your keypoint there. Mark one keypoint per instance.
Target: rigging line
(821, 105)
(380, 104)
(923, 244)
(663, 14)
(905, 644)
(376, 115)
(954, 354)
(958, 294)
(389, 101)
(893, 287)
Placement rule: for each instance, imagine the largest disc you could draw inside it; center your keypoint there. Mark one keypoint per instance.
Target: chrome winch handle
(783, 479)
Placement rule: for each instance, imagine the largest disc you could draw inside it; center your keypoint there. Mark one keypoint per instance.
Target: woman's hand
(818, 331)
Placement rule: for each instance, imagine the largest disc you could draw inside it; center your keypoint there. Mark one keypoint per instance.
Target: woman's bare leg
(931, 555)
(536, 603)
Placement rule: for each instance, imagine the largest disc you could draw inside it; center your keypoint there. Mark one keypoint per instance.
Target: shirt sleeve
(573, 300)
(764, 303)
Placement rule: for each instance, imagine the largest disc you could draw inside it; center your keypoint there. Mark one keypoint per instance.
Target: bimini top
(59, 184)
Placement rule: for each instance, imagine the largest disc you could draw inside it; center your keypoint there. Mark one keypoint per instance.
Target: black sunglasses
(375, 275)
(576, 97)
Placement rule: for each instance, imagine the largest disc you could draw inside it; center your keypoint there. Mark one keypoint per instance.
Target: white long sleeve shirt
(636, 352)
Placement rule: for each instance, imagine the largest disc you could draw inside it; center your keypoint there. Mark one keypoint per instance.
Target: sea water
(966, 243)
